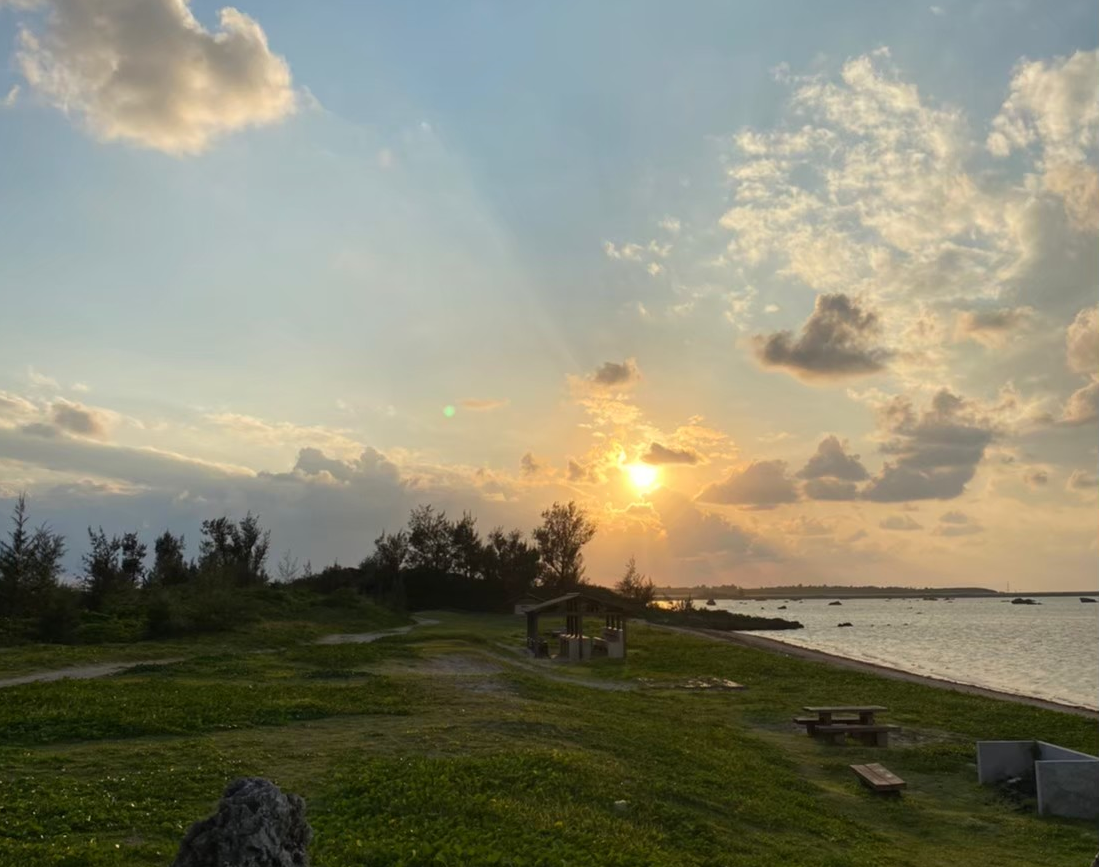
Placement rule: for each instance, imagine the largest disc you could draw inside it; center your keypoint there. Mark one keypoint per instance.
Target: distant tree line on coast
(123, 594)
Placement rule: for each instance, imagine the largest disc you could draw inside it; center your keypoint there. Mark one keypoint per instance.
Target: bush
(59, 619)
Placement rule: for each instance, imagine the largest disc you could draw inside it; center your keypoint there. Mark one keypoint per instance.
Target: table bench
(865, 712)
(811, 722)
(879, 778)
(875, 735)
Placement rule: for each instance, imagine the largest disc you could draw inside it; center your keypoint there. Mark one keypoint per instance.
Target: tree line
(432, 562)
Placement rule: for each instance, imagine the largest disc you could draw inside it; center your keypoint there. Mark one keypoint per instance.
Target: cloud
(992, 328)
(1082, 342)
(954, 517)
(1054, 105)
(694, 534)
(370, 464)
(1082, 356)
(1036, 478)
(671, 225)
(613, 374)
(282, 434)
(658, 454)
(1082, 480)
(529, 465)
(956, 523)
(147, 72)
(761, 485)
(803, 525)
(900, 522)
(41, 380)
(1082, 405)
(830, 489)
(481, 404)
(11, 98)
(936, 452)
(79, 419)
(831, 460)
(837, 341)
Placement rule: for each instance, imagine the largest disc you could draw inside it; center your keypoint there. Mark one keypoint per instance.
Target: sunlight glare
(643, 476)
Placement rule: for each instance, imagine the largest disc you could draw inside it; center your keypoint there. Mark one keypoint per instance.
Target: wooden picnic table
(865, 712)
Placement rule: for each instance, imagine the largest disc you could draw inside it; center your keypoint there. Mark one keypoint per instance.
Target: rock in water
(254, 825)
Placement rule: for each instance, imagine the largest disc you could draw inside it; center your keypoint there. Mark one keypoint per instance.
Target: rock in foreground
(254, 825)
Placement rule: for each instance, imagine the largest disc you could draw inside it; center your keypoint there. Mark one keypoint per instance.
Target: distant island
(835, 591)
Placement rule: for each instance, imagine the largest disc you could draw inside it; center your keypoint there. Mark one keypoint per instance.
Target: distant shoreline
(775, 646)
(814, 593)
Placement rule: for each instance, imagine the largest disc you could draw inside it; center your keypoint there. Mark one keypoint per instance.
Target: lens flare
(643, 477)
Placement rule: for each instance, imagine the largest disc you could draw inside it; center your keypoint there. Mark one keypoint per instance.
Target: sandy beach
(770, 644)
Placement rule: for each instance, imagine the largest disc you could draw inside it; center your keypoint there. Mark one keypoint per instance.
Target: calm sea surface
(1050, 651)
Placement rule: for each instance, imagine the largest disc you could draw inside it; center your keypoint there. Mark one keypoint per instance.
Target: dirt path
(774, 646)
(83, 672)
(367, 637)
(105, 669)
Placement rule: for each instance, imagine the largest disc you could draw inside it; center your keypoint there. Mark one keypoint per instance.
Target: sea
(1049, 650)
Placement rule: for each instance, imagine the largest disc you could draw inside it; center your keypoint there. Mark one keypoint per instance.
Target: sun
(643, 477)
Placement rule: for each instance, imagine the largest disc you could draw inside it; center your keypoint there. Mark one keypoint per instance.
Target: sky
(781, 292)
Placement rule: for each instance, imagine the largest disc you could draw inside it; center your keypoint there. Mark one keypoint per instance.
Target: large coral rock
(254, 825)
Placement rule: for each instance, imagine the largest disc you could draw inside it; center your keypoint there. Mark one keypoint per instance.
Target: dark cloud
(900, 522)
(761, 485)
(78, 419)
(611, 373)
(658, 454)
(1082, 480)
(833, 461)
(954, 517)
(836, 342)
(992, 327)
(580, 473)
(935, 453)
(1036, 478)
(371, 463)
(530, 465)
(830, 489)
(693, 533)
(957, 524)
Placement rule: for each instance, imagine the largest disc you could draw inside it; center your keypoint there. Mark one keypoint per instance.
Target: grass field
(445, 747)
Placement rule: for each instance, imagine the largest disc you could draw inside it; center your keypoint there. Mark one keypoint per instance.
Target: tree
(636, 586)
(466, 546)
(113, 568)
(387, 564)
(430, 540)
(564, 531)
(169, 566)
(236, 553)
(510, 561)
(30, 564)
(287, 568)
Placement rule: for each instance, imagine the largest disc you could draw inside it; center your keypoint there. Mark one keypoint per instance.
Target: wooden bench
(879, 778)
(870, 735)
(811, 722)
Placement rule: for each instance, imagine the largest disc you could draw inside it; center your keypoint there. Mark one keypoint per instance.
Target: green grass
(404, 764)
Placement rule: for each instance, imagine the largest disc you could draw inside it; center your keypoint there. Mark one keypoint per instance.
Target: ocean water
(1049, 651)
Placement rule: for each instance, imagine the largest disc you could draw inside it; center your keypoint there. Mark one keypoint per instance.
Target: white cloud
(1082, 342)
(147, 72)
(1054, 105)
(41, 380)
(11, 98)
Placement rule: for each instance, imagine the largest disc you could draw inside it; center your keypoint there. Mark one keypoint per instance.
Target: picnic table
(857, 720)
(865, 712)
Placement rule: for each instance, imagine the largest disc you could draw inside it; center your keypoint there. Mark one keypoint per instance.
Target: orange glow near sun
(644, 477)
